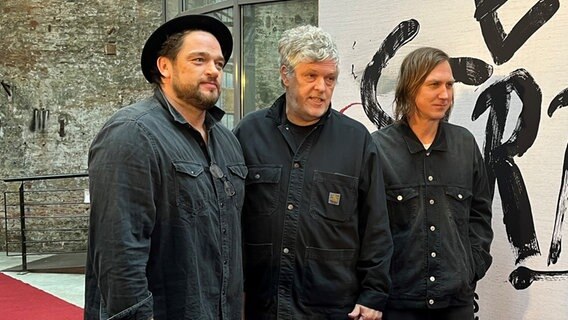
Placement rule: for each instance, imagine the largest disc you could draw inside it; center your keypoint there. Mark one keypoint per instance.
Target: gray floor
(69, 287)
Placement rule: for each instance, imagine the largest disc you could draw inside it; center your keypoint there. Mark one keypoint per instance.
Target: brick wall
(65, 67)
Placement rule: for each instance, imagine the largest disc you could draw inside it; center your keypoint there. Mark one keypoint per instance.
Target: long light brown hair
(414, 69)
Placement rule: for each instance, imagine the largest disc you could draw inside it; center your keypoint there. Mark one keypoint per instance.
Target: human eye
(310, 76)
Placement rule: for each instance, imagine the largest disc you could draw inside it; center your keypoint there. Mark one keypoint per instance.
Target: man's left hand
(361, 312)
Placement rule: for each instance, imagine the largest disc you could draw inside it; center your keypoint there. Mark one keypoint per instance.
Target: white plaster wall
(360, 26)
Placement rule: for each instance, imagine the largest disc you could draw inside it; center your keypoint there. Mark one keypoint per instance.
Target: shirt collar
(277, 112)
(413, 143)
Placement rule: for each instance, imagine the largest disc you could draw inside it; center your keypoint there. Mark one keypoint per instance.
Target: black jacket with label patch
(315, 224)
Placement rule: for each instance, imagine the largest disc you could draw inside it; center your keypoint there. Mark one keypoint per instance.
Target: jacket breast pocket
(329, 277)
(262, 185)
(333, 196)
(191, 186)
(403, 206)
(459, 203)
(237, 176)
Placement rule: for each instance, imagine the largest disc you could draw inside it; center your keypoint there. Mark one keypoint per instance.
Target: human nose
(445, 93)
(319, 84)
(213, 68)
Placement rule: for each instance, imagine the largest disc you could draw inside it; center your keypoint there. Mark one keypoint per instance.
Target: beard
(191, 94)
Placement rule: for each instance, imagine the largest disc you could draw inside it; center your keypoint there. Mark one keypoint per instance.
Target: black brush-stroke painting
(467, 70)
(496, 99)
(502, 45)
(522, 277)
(401, 35)
(501, 167)
(560, 101)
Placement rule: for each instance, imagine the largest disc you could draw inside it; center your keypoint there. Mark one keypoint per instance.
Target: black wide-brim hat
(182, 23)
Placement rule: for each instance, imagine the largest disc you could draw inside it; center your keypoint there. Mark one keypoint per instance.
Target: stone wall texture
(65, 67)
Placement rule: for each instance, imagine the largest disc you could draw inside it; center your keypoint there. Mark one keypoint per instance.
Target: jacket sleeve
(123, 175)
(376, 241)
(480, 231)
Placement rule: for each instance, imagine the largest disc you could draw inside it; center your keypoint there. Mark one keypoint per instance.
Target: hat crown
(180, 23)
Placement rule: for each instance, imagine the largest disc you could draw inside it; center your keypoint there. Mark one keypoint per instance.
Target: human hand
(361, 312)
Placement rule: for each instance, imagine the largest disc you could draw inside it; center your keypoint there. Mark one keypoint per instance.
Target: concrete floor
(69, 287)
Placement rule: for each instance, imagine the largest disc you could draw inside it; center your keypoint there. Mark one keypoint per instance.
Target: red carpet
(20, 301)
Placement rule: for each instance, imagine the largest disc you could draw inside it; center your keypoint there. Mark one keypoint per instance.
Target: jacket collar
(277, 112)
(213, 115)
(413, 143)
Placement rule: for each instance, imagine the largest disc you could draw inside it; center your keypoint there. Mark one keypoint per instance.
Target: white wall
(360, 26)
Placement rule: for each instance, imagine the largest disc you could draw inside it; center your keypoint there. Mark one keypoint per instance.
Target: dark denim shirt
(315, 221)
(440, 214)
(164, 235)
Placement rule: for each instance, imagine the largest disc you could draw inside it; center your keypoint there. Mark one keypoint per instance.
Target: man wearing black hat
(167, 187)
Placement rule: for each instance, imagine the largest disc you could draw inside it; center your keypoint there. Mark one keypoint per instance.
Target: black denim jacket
(315, 225)
(440, 214)
(164, 235)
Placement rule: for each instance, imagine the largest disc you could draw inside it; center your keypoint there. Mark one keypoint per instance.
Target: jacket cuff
(373, 299)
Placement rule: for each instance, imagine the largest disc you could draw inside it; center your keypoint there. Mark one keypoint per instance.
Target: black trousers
(450, 313)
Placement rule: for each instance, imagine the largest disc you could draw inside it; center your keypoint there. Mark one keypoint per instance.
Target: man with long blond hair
(438, 197)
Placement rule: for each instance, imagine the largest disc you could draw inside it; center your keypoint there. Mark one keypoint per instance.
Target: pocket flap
(401, 195)
(264, 174)
(460, 194)
(239, 170)
(190, 168)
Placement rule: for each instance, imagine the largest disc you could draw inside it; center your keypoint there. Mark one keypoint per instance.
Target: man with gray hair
(316, 234)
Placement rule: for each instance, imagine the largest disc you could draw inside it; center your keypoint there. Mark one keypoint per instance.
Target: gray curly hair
(306, 44)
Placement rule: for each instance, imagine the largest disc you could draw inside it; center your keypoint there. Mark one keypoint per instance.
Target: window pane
(263, 25)
(227, 98)
(196, 4)
(172, 9)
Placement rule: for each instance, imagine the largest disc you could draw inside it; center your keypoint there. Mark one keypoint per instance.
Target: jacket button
(432, 279)
(399, 198)
(431, 301)
(432, 228)
(257, 176)
(296, 165)
(460, 196)
(432, 201)
(286, 250)
(290, 207)
(433, 254)
(430, 178)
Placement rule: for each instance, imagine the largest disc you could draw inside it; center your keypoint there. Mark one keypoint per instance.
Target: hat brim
(182, 23)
